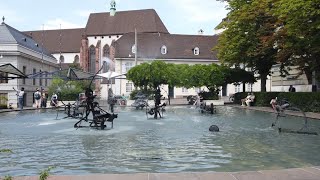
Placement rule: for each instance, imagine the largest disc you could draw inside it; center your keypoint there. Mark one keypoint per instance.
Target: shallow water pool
(180, 142)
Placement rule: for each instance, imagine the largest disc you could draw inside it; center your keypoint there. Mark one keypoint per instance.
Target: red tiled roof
(178, 46)
(70, 39)
(124, 22)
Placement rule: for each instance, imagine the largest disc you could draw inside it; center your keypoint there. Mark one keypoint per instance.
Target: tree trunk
(263, 83)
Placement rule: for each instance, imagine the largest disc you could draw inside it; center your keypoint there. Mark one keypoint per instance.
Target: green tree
(67, 90)
(248, 38)
(149, 74)
(298, 34)
(211, 76)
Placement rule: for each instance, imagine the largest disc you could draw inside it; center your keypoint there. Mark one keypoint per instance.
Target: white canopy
(110, 74)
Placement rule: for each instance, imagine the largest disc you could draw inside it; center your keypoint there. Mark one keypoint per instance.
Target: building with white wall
(29, 57)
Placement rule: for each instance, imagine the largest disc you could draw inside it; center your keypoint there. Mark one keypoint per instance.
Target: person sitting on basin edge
(249, 99)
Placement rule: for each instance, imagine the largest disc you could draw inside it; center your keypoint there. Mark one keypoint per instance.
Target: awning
(66, 74)
(10, 69)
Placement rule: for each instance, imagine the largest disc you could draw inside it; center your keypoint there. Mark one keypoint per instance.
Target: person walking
(20, 95)
(37, 98)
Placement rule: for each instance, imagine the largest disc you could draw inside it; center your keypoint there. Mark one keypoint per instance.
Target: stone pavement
(309, 173)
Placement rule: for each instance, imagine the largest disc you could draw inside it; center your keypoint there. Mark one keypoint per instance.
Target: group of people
(40, 98)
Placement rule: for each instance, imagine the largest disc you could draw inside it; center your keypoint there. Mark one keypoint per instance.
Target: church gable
(124, 22)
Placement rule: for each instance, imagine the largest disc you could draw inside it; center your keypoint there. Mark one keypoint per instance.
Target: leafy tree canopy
(211, 76)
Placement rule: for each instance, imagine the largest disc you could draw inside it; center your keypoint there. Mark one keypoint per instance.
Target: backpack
(37, 96)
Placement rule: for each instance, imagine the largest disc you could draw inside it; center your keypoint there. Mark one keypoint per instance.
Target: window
(249, 88)
(128, 66)
(237, 88)
(128, 87)
(76, 59)
(92, 59)
(184, 90)
(133, 49)
(61, 59)
(3, 77)
(24, 70)
(106, 51)
(106, 67)
(34, 80)
(163, 49)
(196, 51)
(3, 98)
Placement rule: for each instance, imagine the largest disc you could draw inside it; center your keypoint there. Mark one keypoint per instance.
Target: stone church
(109, 39)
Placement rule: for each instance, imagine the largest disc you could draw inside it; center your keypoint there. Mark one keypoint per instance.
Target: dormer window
(163, 49)
(133, 49)
(196, 51)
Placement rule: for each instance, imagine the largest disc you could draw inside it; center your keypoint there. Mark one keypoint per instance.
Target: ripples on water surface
(179, 142)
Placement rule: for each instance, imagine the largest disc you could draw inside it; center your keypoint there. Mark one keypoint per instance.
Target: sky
(179, 16)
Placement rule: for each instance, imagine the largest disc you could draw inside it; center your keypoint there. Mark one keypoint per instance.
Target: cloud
(55, 24)
(200, 11)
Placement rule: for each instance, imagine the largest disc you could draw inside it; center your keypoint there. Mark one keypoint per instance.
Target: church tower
(112, 8)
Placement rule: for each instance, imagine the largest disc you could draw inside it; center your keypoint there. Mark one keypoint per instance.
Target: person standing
(37, 98)
(20, 95)
(43, 99)
(292, 89)
(111, 100)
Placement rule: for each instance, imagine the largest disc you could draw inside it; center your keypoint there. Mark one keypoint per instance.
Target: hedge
(3, 106)
(306, 101)
(209, 95)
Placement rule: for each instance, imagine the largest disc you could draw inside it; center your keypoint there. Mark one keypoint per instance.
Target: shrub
(209, 95)
(45, 173)
(306, 101)
(3, 106)
(5, 150)
(8, 177)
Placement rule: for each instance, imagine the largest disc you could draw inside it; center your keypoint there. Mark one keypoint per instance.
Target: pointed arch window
(196, 51)
(106, 51)
(61, 58)
(76, 59)
(164, 49)
(92, 59)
